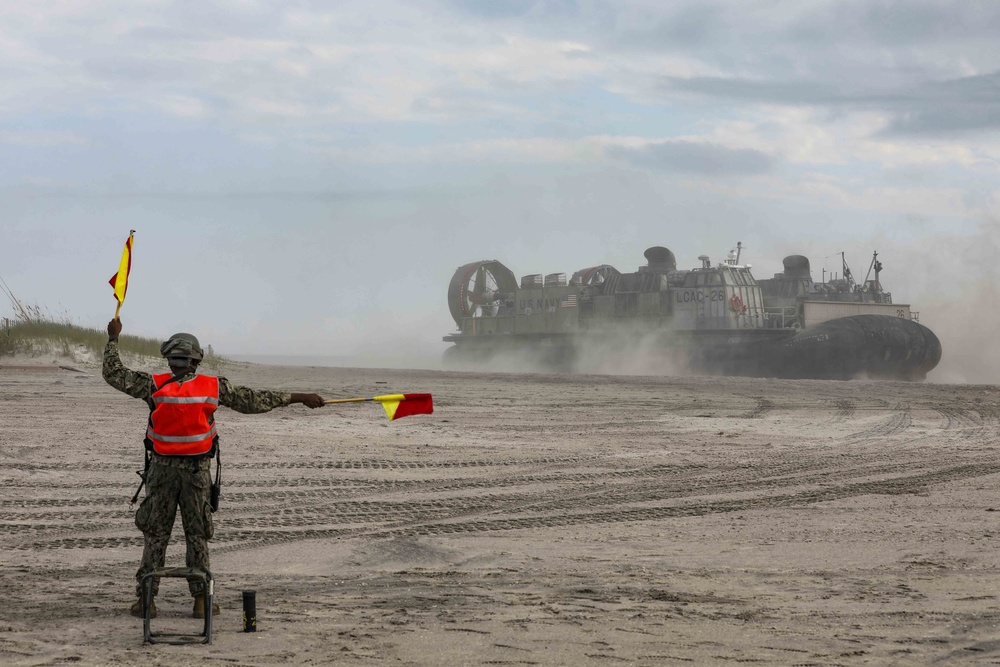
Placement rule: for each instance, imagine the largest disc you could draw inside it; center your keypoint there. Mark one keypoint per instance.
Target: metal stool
(195, 573)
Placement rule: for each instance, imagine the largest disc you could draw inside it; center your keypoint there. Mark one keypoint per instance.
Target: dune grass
(40, 336)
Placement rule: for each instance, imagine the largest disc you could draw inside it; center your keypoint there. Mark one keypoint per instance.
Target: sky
(305, 177)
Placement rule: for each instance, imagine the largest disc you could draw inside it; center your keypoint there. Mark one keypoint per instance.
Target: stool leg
(209, 598)
(147, 607)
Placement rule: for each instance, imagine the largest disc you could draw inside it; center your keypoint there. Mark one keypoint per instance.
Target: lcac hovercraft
(713, 319)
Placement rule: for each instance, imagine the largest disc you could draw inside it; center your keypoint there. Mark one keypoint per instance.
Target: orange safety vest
(182, 423)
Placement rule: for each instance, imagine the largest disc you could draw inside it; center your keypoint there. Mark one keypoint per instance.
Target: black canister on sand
(249, 611)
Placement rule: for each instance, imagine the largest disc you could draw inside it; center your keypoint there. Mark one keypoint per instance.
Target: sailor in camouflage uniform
(182, 480)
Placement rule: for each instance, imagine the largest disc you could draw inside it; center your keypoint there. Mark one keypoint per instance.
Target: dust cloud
(968, 331)
(954, 284)
(625, 351)
(631, 352)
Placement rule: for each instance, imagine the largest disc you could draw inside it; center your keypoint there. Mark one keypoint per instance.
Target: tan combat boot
(199, 607)
(136, 609)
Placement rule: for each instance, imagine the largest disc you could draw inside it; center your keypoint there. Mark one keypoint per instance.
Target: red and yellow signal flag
(119, 281)
(404, 405)
(397, 405)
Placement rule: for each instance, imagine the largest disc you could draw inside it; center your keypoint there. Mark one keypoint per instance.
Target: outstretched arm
(254, 401)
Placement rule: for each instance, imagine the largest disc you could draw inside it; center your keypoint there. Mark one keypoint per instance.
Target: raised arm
(134, 383)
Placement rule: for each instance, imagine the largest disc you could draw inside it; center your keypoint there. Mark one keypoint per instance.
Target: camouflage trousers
(173, 482)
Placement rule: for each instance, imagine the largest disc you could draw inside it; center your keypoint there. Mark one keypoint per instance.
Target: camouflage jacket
(138, 384)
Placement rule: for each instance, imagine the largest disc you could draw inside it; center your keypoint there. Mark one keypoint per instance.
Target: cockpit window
(715, 278)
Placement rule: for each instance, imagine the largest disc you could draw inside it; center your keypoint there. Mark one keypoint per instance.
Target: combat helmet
(182, 345)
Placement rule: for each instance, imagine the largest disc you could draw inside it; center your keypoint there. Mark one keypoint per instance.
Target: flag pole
(395, 405)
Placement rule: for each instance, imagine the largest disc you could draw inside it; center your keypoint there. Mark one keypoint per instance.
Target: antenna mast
(848, 276)
(877, 266)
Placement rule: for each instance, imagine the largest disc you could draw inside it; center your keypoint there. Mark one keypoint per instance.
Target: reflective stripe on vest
(182, 422)
(189, 399)
(180, 438)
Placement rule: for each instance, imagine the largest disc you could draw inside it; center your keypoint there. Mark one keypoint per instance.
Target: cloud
(703, 159)
(507, 9)
(495, 8)
(760, 91)
(929, 68)
(960, 105)
(42, 138)
(923, 109)
(896, 23)
(181, 106)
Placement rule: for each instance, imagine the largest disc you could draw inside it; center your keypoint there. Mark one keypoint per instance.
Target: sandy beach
(531, 520)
